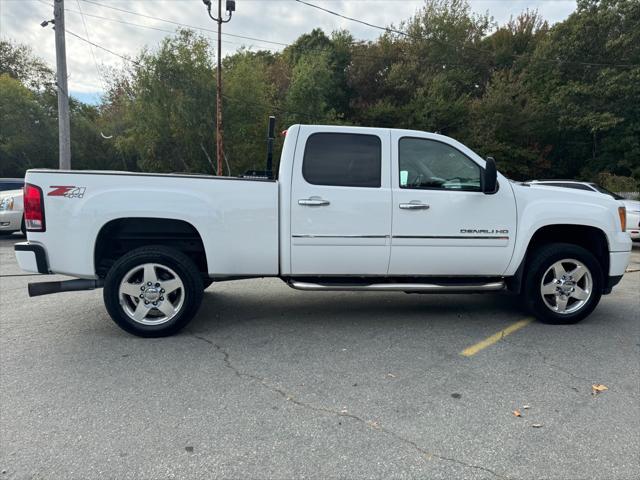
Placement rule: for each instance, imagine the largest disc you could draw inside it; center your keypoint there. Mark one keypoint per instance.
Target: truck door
(341, 202)
(443, 224)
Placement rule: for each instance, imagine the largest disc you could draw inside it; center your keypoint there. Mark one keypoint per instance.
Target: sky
(279, 21)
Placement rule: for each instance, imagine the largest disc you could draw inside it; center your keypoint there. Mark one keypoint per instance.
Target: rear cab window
(343, 160)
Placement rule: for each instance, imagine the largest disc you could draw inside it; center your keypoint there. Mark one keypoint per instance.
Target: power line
(386, 29)
(272, 107)
(493, 54)
(138, 25)
(102, 48)
(93, 55)
(307, 49)
(124, 22)
(379, 27)
(181, 24)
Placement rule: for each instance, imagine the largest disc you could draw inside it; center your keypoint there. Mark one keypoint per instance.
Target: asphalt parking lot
(269, 382)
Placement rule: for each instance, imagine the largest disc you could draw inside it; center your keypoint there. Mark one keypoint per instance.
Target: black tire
(206, 283)
(541, 261)
(180, 264)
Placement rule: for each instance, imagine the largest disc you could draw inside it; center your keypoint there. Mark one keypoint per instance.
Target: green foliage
(27, 135)
(618, 183)
(18, 62)
(545, 101)
(171, 104)
(247, 100)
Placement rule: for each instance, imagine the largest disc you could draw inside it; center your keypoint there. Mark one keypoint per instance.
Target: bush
(617, 183)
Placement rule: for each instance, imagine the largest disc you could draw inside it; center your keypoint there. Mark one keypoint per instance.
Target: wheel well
(120, 236)
(590, 238)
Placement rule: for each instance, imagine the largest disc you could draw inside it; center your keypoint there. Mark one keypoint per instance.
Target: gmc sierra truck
(366, 209)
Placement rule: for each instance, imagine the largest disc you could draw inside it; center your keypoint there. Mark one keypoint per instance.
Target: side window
(429, 164)
(343, 159)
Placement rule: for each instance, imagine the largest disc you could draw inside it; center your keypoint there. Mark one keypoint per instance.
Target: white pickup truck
(371, 209)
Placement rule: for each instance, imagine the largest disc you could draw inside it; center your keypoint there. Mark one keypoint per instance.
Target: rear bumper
(31, 257)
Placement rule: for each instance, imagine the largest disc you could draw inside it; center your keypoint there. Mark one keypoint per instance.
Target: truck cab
(392, 203)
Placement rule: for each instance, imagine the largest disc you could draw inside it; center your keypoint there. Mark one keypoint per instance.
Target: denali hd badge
(484, 232)
(67, 191)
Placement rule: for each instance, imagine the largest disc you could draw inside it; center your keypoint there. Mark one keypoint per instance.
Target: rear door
(341, 202)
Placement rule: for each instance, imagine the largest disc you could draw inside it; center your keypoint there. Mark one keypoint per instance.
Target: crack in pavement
(368, 423)
(536, 351)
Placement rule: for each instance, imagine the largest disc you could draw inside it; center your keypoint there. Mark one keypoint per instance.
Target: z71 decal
(68, 191)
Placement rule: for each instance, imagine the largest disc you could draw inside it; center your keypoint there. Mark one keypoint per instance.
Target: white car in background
(632, 206)
(11, 212)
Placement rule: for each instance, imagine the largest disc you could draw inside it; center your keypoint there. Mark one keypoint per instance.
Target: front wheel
(153, 291)
(563, 283)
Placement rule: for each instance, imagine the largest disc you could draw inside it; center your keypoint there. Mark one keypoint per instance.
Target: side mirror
(490, 180)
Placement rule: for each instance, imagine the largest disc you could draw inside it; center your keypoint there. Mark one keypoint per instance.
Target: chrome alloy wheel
(566, 286)
(151, 294)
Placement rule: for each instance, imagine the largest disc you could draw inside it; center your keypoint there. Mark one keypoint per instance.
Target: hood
(564, 194)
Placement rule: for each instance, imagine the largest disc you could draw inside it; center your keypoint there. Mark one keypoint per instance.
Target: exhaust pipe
(47, 288)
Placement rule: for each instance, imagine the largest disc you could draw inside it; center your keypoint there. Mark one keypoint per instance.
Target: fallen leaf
(391, 375)
(598, 387)
(536, 425)
(373, 424)
(526, 407)
(517, 413)
(344, 410)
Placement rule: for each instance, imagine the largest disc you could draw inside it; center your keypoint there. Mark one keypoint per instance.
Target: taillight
(33, 208)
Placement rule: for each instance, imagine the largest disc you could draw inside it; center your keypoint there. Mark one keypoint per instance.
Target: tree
(248, 101)
(28, 134)
(508, 124)
(587, 71)
(309, 96)
(170, 106)
(18, 62)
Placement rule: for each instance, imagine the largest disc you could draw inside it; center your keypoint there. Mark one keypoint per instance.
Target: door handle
(414, 206)
(313, 202)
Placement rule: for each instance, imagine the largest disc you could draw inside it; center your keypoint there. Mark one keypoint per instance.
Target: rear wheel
(153, 291)
(563, 283)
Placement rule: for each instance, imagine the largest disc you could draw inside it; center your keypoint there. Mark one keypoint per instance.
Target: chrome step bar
(399, 287)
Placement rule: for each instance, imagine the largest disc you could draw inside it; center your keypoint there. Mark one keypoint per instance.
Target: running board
(399, 287)
(47, 288)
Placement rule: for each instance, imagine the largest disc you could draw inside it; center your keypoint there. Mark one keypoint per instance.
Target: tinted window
(343, 159)
(4, 186)
(427, 164)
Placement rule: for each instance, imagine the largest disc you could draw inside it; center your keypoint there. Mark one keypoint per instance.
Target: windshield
(607, 192)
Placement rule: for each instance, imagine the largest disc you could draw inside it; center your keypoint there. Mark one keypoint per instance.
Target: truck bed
(237, 218)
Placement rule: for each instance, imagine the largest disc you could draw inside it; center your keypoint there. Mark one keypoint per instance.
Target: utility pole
(64, 127)
(230, 8)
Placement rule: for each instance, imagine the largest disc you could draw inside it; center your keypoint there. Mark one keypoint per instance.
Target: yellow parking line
(496, 337)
